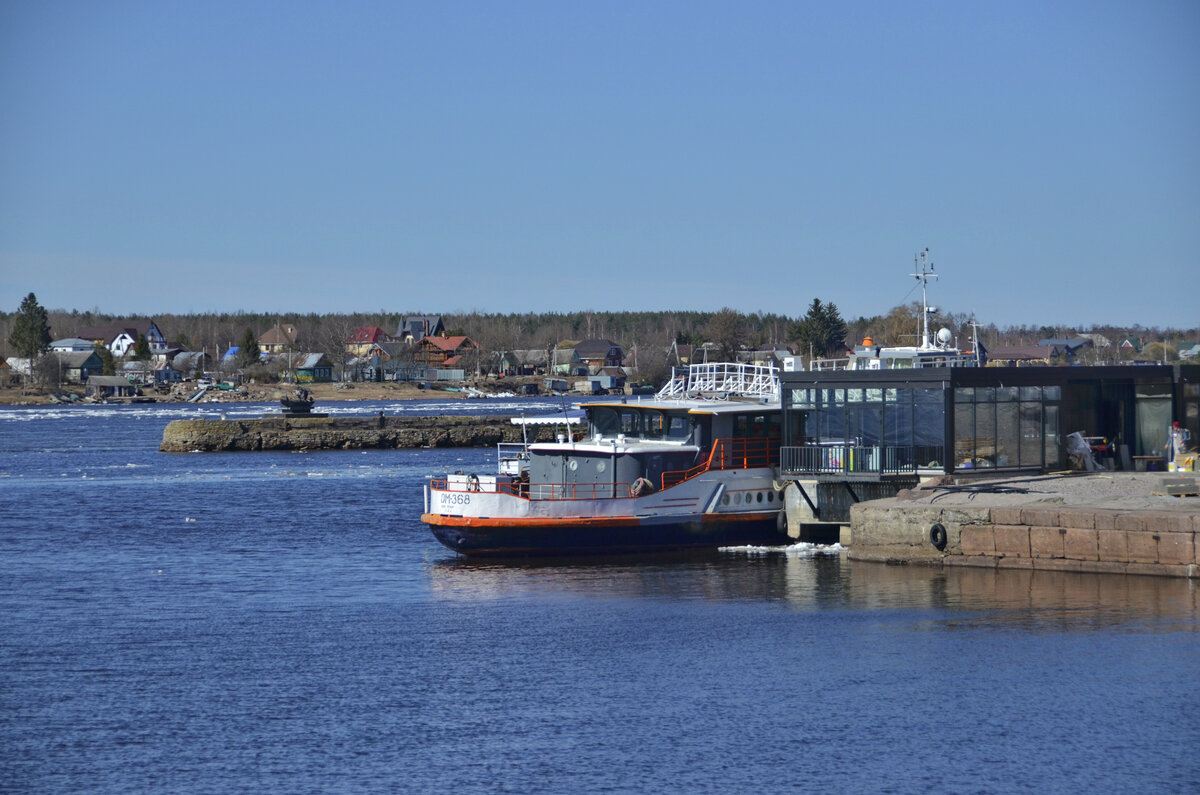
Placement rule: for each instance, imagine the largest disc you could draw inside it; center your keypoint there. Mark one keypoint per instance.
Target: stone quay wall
(1056, 538)
(279, 432)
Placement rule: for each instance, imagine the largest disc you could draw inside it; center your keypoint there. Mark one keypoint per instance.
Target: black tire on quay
(937, 536)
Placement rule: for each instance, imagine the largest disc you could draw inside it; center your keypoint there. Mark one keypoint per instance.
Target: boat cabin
(659, 442)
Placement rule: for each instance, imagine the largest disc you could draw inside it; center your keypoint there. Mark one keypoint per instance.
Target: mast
(924, 273)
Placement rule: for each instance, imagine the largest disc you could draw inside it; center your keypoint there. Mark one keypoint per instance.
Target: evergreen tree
(248, 352)
(31, 329)
(822, 331)
(107, 364)
(141, 349)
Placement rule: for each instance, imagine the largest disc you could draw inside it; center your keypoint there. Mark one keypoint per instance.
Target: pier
(1116, 522)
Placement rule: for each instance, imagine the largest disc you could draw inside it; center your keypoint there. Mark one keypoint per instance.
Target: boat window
(677, 426)
(654, 424)
(606, 422)
(631, 422)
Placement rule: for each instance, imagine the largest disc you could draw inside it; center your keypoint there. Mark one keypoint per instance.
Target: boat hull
(611, 535)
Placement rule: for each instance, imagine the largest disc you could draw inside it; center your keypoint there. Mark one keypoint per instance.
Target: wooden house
(443, 352)
(106, 386)
(76, 367)
(596, 354)
(314, 368)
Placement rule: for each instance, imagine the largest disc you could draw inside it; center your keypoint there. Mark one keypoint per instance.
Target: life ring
(472, 483)
(641, 486)
(937, 536)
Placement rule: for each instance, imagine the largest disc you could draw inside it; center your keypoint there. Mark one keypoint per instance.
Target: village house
(279, 338)
(119, 338)
(77, 366)
(596, 354)
(106, 386)
(414, 329)
(1023, 356)
(72, 345)
(443, 352)
(313, 368)
(361, 339)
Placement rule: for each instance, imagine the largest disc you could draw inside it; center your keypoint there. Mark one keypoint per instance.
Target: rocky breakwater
(343, 433)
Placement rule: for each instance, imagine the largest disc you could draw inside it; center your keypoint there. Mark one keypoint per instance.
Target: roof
(369, 334)
(1024, 352)
(450, 344)
(1071, 345)
(595, 348)
(109, 380)
(73, 342)
(310, 361)
(279, 335)
(109, 333)
(418, 326)
(76, 358)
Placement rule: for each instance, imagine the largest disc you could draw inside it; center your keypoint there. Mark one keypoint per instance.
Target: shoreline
(260, 393)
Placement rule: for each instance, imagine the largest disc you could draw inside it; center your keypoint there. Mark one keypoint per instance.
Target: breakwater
(279, 432)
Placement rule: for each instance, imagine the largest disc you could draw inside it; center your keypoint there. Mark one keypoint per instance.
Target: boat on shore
(690, 468)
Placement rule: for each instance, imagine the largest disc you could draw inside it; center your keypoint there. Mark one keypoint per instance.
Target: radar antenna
(924, 272)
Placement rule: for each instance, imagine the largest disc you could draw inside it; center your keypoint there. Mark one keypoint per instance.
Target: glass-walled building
(871, 425)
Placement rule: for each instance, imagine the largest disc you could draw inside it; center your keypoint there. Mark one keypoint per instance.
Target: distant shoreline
(259, 393)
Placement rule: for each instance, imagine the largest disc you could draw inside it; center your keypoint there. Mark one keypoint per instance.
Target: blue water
(282, 622)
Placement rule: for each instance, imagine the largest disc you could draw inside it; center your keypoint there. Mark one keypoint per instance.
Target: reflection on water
(961, 598)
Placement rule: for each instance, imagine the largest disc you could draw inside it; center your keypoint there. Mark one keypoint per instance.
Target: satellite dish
(944, 336)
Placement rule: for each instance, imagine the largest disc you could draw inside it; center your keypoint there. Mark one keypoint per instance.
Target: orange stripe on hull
(579, 521)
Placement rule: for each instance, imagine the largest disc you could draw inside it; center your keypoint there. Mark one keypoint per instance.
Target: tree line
(649, 338)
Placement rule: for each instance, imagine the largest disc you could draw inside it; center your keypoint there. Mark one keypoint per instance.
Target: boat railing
(821, 365)
(747, 453)
(510, 456)
(723, 379)
(850, 459)
(537, 491)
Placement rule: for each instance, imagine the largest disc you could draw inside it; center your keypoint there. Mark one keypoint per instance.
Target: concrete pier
(1097, 522)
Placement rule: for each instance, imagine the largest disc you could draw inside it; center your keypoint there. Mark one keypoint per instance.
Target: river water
(282, 622)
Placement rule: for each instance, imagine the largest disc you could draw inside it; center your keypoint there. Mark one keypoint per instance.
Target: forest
(651, 339)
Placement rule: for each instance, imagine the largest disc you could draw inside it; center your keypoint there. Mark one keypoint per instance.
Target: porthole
(737, 498)
(760, 497)
(725, 500)
(770, 496)
(573, 464)
(601, 466)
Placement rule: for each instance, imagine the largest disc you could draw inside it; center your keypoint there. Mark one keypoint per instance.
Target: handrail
(741, 453)
(848, 459)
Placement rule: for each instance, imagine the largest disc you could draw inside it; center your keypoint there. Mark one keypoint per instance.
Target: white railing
(724, 379)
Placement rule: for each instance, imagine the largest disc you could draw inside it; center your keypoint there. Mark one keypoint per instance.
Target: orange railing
(756, 451)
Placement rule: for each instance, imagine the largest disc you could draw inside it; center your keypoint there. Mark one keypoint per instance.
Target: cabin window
(654, 424)
(606, 422)
(677, 426)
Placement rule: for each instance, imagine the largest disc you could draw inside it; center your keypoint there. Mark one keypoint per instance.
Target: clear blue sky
(535, 156)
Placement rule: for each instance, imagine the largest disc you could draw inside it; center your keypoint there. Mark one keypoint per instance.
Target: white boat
(937, 350)
(690, 467)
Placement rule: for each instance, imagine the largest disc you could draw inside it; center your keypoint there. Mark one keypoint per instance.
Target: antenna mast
(923, 274)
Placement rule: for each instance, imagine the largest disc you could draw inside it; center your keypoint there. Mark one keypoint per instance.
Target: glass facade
(1007, 427)
(895, 418)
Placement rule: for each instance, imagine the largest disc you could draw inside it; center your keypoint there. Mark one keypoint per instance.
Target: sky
(191, 157)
